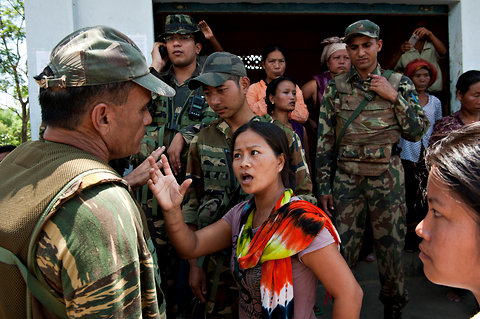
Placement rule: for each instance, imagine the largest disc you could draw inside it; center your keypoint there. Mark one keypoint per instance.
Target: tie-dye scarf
(289, 229)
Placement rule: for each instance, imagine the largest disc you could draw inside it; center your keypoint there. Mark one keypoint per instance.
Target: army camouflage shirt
(173, 113)
(214, 184)
(369, 140)
(94, 255)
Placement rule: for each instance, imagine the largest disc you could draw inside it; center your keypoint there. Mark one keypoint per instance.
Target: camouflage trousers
(222, 292)
(382, 199)
(173, 270)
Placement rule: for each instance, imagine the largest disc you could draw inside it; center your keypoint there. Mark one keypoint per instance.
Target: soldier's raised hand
(157, 61)
(383, 88)
(140, 175)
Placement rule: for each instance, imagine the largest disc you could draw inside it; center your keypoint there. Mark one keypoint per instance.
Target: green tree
(13, 73)
(10, 128)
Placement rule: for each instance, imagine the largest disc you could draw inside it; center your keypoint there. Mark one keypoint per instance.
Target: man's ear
(244, 83)
(198, 47)
(380, 45)
(101, 118)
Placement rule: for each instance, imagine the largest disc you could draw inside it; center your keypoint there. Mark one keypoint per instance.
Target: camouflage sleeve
(411, 118)
(188, 132)
(191, 202)
(326, 140)
(94, 255)
(297, 163)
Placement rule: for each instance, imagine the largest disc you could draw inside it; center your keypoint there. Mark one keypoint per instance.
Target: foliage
(10, 128)
(13, 71)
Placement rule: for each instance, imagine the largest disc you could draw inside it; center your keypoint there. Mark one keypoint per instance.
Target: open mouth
(246, 178)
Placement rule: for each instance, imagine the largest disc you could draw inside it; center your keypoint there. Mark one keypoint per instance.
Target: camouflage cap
(362, 27)
(180, 24)
(218, 68)
(99, 55)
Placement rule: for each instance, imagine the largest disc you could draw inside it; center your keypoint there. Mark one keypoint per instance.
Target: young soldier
(368, 175)
(64, 212)
(177, 119)
(215, 189)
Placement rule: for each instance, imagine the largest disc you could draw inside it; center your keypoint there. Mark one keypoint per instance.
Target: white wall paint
(49, 21)
(464, 42)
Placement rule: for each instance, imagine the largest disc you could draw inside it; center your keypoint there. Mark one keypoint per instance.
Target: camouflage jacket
(370, 140)
(94, 285)
(172, 115)
(214, 184)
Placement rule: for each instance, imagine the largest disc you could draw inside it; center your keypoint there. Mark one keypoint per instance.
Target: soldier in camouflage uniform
(64, 211)
(368, 178)
(215, 189)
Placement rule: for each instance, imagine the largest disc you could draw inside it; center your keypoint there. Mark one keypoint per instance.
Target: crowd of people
(240, 196)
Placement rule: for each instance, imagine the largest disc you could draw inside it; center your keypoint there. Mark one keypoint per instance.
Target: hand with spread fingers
(165, 187)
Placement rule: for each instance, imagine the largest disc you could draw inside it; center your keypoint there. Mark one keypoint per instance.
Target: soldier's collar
(223, 127)
(353, 73)
(170, 73)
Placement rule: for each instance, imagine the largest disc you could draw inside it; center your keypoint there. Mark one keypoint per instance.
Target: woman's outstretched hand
(165, 187)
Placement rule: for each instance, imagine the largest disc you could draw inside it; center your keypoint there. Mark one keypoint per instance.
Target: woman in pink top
(280, 245)
(274, 64)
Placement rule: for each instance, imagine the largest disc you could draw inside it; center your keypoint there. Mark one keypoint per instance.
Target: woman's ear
(271, 98)
(281, 162)
(459, 96)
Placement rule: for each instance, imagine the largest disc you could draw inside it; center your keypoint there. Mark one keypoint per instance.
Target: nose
(147, 119)
(213, 99)
(361, 51)
(176, 41)
(245, 162)
(422, 231)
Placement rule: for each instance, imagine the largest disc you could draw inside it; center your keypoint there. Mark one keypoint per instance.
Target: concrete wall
(464, 44)
(49, 21)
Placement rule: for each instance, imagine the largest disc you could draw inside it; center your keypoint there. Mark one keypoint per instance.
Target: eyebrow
(435, 200)
(248, 147)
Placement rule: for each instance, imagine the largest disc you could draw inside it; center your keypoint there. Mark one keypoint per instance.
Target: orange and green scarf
(289, 229)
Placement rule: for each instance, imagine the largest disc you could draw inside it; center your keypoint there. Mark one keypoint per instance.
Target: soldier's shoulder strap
(393, 77)
(341, 84)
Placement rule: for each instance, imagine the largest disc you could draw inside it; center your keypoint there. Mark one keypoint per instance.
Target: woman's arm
(209, 36)
(331, 269)
(300, 113)
(188, 243)
(309, 91)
